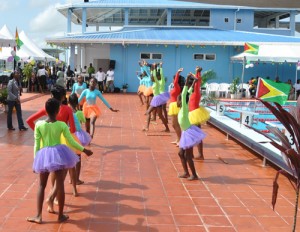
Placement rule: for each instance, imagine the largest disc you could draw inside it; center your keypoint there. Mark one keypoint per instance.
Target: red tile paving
(131, 181)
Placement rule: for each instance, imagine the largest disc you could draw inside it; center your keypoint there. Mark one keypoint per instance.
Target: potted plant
(27, 71)
(3, 98)
(289, 146)
(234, 89)
(124, 87)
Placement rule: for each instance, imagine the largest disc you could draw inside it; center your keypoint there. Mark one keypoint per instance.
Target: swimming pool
(232, 121)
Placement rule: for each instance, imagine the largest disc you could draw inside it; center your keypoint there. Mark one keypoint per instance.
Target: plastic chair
(223, 90)
(245, 86)
(212, 89)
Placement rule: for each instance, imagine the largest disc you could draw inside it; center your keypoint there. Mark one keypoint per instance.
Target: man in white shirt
(42, 77)
(297, 87)
(110, 77)
(100, 76)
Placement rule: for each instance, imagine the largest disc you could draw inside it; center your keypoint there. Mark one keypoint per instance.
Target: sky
(38, 18)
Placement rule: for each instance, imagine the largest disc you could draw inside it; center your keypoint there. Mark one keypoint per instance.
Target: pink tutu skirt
(191, 137)
(51, 159)
(160, 99)
(83, 137)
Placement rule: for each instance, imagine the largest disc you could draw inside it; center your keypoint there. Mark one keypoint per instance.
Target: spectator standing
(110, 77)
(91, 70)
(100, 76)
(42, 76)
(70, 78)
(297, 88)
(60, 78)
(13, 100)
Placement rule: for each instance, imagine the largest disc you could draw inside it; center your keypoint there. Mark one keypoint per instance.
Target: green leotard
(183, 115)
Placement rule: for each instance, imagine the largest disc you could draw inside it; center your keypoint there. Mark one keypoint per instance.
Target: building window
(226, 20)
(238, 20)
(145, 55)
(151, 56)
(198, 56)
(210, 56)
(156, 56)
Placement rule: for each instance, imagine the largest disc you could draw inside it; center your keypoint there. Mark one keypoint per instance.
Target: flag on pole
(19, 42)
(251, 48)
(272, 91)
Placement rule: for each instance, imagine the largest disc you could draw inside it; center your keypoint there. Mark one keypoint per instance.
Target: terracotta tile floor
(131, 181)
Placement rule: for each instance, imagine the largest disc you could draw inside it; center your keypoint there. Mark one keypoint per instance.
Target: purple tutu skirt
(191, 137)
(51, 159)
(84, 137)
(160, 99)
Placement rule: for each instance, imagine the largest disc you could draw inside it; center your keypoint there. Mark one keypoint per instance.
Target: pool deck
(131, 181)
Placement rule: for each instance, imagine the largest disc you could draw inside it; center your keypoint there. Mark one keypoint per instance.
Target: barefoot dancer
(90, 109)
(83, 137)
(65, 115)
(173, 108)
(190, 136)
(160, 98)
(53, 157)
(78, 89)
(197, 114)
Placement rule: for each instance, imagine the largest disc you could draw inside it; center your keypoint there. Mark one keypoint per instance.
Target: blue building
(177, 33)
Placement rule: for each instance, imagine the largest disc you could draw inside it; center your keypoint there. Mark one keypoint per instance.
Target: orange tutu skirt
(148, 91)
(90, 111)
(141, 89)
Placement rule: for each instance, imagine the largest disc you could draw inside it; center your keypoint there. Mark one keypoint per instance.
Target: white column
(72, 57)
(83, 20)
(69, 22)
(83, 63)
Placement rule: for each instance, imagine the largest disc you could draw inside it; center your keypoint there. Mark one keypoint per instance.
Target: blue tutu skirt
(160, 99)
(51, 159)
(191, 137)
(84, 137)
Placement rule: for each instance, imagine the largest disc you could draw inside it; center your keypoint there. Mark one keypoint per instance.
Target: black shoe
(23, 129)
(12, 129)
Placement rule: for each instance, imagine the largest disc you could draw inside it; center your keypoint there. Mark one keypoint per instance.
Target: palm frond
(208, 75)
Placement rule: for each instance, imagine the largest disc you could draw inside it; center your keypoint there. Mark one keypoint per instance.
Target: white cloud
(40, 3)
(8, 5)
(50, 20)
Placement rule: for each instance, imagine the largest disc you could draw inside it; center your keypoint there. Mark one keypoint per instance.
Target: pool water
(262, 113)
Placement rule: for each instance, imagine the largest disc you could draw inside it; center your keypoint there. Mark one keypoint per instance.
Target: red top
(195, 97)
(176, 90)
(65, 115)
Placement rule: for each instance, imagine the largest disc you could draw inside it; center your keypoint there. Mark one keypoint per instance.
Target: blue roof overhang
(175, 36)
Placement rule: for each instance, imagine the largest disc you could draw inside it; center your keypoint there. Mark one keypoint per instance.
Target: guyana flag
(271, 91)
(19, 42)
(251, 48)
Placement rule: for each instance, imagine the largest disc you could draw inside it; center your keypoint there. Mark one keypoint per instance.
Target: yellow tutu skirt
(173, 109)
(64, 141)
(90, 111)
(199, 116)
(141, 89)
(148, 91)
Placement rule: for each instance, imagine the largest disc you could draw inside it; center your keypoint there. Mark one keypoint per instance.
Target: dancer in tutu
(190, 136)
(160, 97)
(78, 88)
(83, 137)
(198, 115)
(173, 108)
(53, 157)
(90, 110)
(141, 88)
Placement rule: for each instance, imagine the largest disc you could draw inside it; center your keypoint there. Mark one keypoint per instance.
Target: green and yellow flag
(251, 48)
(272, 91)
(19, 42)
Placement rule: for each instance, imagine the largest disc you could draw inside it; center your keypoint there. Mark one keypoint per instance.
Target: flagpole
(296, 80)
(243, 73)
